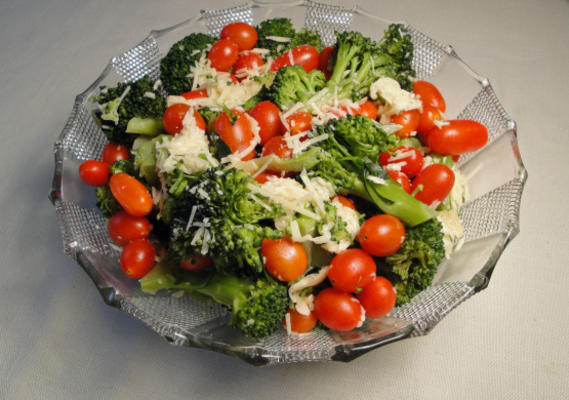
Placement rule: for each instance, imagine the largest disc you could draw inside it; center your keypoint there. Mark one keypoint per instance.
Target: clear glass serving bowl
(490, 217)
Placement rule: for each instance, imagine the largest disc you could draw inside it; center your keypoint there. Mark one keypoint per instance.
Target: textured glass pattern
(494, 210)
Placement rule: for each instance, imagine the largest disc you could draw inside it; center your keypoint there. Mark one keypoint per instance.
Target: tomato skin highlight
(414, 161)
(304, 55)
(196, 262)
(223, 54)
(429, 94)
(457, 137)
(285, 260)
(400, 178)
(137, 258)
(173, 118)
(94, 172)
(131, 194)
(337, 310)
(300, 323)
(124, 227)
(241, 33)
(351, 270)
(237, 136)
(436, 181)
(409, 121)
(378, 298)
(113, 152)
(299, 122)
(382, 235)
(267, 115)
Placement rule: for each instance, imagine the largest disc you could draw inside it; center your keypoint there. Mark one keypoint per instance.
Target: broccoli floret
(304, 36)
(126, 166)
(175, 67)
(106, 202)
(293, 84)
(412, 268)
(137, 101)
(277, 27)
(209, 117)
(397, 43)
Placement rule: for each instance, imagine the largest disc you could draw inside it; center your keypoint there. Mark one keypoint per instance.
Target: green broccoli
(129, 109)
(106, 202)
(304, 36)
(396, 42)
(275, 27)
(293, 84)
(257, 306)
(126, 166)
(412, 268)
(175, 67)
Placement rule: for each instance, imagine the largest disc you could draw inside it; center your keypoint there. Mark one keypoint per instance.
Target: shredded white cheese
(305, 304)
(395, 99)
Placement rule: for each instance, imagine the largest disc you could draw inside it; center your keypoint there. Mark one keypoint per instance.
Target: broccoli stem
(145, 126)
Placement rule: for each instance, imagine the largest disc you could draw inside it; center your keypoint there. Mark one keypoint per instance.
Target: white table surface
(58, 340)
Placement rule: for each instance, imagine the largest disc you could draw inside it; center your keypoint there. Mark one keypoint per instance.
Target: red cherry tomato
(195, 94)
(427, 121)
(94, 172)
(400, 178)
(351, 270)
(345, 201)
(174, 115)
(223, 54)
(124, 227)
(304, 55)
(241, 33)
(430, 95)
(301, 323)
(410, 158)
(457, 137)
(368, 109)
(137, 258)
(382, 235)
(247, 60)
(263, 177)
(299, 122)
(409, 120)
(196, 262)
(131, 194)
(267, 115)
(378, 298)
(435, 183)
(339, 311)
(237, 135)
(277, 146)
(285, 260)
(113, 152)
(324, 60)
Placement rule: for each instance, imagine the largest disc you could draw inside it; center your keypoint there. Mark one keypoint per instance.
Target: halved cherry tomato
(299, 122)
(410, 158)
(400, 178)
(378, 298)
(131, 194)
(285, 260)
(409, 120)
(241, 33)
(223, 54)
(94, 172)
(324, 60)
(301, 323)
(174, 115)
(351, 270)
(236, 134)
(304, 55)
(426, 121)
(137, 258)
(457, 137)
(345, 201)
(429, 94)
(113, 152)
(381, 235)
(433, 184)
(124, 227)
(246, 60)
(339, 311)
(368, 109)
(267, 115)
(196, 262)
(277, 146)
(195, 94)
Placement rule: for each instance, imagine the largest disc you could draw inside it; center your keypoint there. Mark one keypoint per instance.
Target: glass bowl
(490, 217)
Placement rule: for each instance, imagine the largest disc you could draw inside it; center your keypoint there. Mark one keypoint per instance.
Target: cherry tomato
(345, 201)
(285, 260)
(457, 137)
(304, 55)
(410, 158)
(241, 33)
(196, 262)
(378, 298)
(267, 115)
(263, 177)
(94, 172)
(223, 54)
(435, 183)
(124, 227)
(381, 235)
(195, 94)
(426, 121)
(324, 60)
(131, 194)
(277, 146)
(351, 270)
(409, 120)
(339, 311)
(138, 258)
(237, 135)
(174, 115)
(113, 152)
(247, 60)
(368, 109)
(301, 323)
(299, 122)
(400, 178)
(430, 95)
